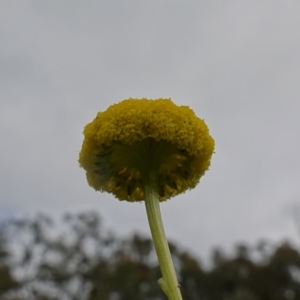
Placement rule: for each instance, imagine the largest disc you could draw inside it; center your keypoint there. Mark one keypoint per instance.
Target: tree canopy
(78, 259)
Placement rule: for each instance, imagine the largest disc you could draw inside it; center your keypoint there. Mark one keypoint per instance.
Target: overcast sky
(235, 63)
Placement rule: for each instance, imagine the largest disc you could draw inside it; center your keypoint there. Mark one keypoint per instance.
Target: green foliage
(78, 259)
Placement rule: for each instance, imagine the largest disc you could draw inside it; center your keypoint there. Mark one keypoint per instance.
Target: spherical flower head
(136, 137)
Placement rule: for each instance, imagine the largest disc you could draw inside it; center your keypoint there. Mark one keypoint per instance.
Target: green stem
(168, 282)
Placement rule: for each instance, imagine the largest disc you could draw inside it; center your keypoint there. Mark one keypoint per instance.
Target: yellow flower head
(135, 137)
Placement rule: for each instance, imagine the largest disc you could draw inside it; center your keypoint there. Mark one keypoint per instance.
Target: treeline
(78, 259)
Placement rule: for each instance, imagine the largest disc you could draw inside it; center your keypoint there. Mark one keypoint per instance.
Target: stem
(168, 282)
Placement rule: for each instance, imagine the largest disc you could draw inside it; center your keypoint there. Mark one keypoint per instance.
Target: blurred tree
(7, 281)
(192, 277)
(279, 279)
(230, 276)
(78, 259)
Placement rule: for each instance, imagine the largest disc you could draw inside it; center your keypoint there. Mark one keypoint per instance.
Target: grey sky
(235, 63)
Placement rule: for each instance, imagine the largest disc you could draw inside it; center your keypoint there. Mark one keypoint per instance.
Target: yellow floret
(137, 136)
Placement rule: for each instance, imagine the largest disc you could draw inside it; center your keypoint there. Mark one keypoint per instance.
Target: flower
(135, 137)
